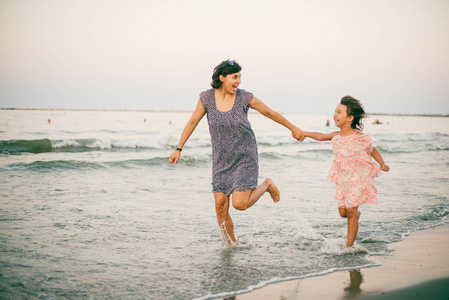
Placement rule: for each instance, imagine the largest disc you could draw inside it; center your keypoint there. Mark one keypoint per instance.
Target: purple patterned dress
(234, 146)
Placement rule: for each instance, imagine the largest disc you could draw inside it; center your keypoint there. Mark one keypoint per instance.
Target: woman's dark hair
(354, 108)
(226, 67)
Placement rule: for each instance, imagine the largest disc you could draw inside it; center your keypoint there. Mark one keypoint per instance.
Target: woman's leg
(244, 200)
(223, 217)
(353, 224)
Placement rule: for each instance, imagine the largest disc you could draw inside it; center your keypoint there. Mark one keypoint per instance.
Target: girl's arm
(377, 157)
(277, 117)
(321, 136)
(196, 117)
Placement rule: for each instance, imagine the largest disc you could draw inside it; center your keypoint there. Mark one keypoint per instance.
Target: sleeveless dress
(234, 148)
(353, 170)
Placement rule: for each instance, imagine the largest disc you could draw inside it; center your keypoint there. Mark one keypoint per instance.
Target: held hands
(298, 134)
(174, 157)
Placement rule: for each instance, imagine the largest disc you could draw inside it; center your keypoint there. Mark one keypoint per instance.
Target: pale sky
(297, 56)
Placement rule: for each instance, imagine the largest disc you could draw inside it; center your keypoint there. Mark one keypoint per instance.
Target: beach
(91, 209)
(417, 268)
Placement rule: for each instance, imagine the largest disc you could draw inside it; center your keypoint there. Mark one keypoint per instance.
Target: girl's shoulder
(364, 139)
(356, 137)
(360, 134)
(335, 134)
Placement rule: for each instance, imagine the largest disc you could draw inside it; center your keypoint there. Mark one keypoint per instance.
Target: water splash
(302, 228)
(338, 246)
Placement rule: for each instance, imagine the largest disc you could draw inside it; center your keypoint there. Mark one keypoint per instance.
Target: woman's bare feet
(273, 190)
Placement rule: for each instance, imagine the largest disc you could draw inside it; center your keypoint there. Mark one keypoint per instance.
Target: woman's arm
(377, 157)
(196, 117)
(277, 117)
(320, 136)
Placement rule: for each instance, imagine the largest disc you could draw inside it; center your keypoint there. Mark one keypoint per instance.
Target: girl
(353, 170)
(235, 168)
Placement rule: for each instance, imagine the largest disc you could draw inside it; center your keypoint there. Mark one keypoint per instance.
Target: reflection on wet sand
(353, 290)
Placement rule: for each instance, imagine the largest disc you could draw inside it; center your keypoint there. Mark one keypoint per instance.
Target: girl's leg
(353, 224)
(342, 211)
(244, 200)
(223, 217)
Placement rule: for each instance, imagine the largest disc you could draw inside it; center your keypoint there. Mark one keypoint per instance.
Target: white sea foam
(338, 247)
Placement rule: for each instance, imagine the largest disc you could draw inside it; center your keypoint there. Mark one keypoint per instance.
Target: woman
(234, 148)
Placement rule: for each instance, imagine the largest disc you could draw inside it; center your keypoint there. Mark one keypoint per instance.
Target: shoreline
(418, 266)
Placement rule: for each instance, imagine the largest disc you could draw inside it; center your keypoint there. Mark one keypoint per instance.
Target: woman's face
(231, 82)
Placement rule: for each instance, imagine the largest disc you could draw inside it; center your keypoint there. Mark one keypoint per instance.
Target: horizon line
(184, 111)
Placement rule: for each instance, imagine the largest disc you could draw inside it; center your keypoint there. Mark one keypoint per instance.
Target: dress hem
(244, 189)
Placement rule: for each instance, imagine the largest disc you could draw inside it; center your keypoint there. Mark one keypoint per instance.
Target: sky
(297, 56)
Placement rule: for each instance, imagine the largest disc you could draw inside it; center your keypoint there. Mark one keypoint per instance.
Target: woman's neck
(223, 94)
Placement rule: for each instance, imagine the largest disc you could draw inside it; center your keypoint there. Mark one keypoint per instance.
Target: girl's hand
(174, 157)
(384, 168)
(298, 134)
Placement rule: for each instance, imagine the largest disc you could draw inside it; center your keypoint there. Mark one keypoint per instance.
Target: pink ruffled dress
(353, 170)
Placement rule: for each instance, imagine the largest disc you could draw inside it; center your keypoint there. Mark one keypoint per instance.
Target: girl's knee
(351, 213)
(342, 211)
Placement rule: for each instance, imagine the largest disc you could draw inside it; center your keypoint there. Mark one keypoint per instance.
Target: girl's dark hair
(354, 108)
(226, 67)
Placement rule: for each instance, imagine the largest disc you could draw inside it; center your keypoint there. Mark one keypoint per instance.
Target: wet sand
(418, 268)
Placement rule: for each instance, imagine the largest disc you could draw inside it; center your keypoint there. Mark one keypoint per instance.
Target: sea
(90, 208)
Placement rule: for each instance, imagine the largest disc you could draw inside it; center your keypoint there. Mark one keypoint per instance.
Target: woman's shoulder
(246, 96)
(205, 96)
(245, 93)
(242, 91)
(207, 92)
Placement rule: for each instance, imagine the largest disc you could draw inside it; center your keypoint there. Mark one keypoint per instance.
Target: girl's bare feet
(273, 190)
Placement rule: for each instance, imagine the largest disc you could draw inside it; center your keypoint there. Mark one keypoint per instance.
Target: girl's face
(231, 82)
(341, 117)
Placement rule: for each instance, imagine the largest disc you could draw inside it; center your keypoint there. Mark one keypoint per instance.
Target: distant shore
(183, 111)
(93, 109)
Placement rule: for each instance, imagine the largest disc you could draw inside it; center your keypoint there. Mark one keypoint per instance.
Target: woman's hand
(384, 168)
(174, 157)
(298, 134)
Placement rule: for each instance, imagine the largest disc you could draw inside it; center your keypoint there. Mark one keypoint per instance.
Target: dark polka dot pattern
(234, 147)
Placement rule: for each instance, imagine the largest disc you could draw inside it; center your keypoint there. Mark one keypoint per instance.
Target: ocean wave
(84, 145)
(411, 148)
(414, 137)
(19, 146)
(275, 140)
(401, 143)
(54, 165)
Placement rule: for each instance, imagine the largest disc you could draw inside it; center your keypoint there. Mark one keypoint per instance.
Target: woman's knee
(240, 200)
(342, 211)
(239, 205)
(221, 204)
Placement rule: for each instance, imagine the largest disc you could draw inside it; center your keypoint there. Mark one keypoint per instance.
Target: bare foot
(273, 190)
